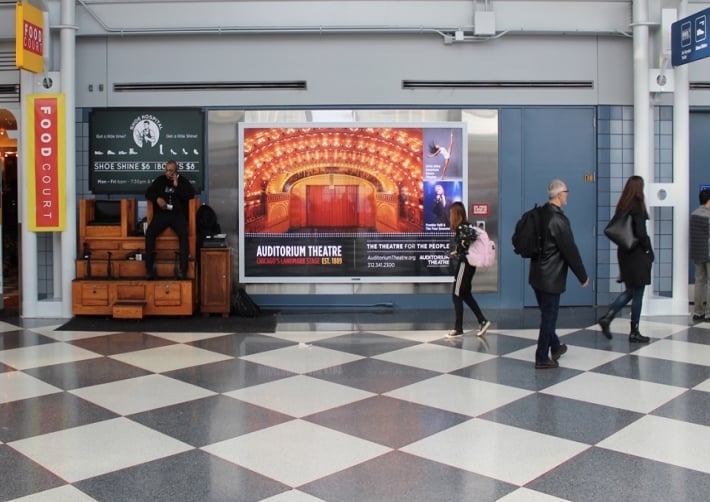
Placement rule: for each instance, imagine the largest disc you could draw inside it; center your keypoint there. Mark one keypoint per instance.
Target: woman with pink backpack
(465, 235)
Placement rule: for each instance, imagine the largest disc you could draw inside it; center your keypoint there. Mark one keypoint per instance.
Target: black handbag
(620, 231)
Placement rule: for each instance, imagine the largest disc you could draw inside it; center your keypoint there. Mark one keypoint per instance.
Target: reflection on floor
(355, 407)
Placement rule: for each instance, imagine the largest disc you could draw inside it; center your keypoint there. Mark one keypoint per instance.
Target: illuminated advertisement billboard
(331, 203)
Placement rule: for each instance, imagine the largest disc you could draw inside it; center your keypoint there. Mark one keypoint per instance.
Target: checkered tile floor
(327, 412)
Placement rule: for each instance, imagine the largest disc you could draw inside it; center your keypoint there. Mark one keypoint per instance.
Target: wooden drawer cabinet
(94, 294)
(215, 281)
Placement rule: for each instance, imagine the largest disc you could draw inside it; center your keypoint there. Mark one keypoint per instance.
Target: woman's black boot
(635, 336)
(605, 322)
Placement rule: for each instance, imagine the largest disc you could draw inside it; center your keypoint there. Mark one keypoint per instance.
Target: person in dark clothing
(700, 253)
(548, 273)
(464, 272)
(635, 264)
(170, 194)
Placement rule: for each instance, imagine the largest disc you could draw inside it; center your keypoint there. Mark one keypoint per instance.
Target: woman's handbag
(620, 231)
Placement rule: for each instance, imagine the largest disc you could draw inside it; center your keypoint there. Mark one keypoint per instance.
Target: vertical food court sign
(29, 38)
(46, 169)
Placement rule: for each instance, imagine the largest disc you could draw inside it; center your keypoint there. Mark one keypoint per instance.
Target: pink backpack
(482, 251)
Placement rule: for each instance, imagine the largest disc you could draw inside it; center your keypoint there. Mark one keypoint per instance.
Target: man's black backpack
(207, 224)
(527, 238)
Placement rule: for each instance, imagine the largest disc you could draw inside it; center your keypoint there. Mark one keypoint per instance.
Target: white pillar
(68, 70)
(643, 119)
(29, 239)
(681, 180)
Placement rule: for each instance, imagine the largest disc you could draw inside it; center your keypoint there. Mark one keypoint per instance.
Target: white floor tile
(90, 450)
(66, 493)
(305, 336)
(619, 392)
(302, 359)
(459, 394)
(15, 385)
(685, 352)
(499, 451)
(140, 394)
(656, 329)
(704, 386)
(435, 357)
(305, 451)
(293, 496)
(527, 495)
(300, 395)
(416, 336)
(44, 355)
(68, 336)
(170, 357)
(5, 327)
(665, 440)
(183, 337)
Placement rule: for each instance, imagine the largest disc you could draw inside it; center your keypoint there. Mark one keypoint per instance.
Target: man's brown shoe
(544, 365)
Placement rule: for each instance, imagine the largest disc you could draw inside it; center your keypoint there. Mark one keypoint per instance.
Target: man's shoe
(544, 365)
(698, 317)
(483, 328)
(556, 355)
(454, 333)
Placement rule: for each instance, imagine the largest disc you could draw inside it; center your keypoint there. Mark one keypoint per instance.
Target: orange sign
(46, 173)
(29, 38)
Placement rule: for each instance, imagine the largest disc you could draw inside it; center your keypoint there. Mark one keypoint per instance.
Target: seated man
(170, 195)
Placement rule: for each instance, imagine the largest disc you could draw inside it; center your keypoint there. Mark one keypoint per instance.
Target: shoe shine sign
(46, 175)
(128, 148)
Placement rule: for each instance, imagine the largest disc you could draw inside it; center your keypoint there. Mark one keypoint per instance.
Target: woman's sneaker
(484, 327)
(453, 333)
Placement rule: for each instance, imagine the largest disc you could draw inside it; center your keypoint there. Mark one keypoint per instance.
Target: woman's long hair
(457, 215)
(633, 191)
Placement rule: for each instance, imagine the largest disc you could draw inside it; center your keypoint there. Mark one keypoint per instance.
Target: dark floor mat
(264, 323)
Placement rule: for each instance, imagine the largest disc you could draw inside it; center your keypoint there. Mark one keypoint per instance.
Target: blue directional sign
(689, 38)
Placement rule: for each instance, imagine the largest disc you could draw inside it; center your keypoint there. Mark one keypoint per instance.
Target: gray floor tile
(516, 373)
(193, 475)
(119, 343)
(693, 406)
(364, 344)
(44, 414)
(563, 418)
(209, 420)
(399, 476)
(241, 344)
(23, 477)
(656, 370)
(373, 375)
(86, 373)
(387, 421)
(600, 475)
(16, 339)
(225, 376)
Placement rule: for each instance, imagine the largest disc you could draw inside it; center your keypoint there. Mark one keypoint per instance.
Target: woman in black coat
(635, 264)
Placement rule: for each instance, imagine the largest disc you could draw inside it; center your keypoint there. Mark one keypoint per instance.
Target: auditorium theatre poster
(333, 203)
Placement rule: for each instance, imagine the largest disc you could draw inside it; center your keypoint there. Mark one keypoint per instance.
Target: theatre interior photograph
(354, 250)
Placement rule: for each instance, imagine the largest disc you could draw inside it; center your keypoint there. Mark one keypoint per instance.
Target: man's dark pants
(549, 305)
(163, 219)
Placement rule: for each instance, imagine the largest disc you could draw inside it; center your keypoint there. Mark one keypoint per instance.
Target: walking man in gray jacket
(700, 253)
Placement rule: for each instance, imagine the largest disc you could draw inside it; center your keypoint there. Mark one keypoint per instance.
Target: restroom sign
(689, 38)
